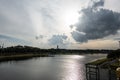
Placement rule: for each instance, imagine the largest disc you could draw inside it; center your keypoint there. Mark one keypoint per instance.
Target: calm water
(60, 67)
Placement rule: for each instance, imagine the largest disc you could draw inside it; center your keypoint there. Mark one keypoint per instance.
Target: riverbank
(21, 57)
(105, 65)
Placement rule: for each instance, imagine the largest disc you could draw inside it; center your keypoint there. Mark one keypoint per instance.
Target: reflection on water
(60, 67)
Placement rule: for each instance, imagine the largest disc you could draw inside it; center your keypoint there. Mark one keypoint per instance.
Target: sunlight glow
(68, 17)
(71, 17)
(78, 56)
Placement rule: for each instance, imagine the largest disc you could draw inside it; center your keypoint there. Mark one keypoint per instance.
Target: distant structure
(119, 44)
(57, 47)
(2, 46)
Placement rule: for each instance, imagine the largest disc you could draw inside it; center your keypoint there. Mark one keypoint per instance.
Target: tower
(57, 47)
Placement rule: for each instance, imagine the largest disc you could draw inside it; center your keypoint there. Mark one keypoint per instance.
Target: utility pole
(2, 46)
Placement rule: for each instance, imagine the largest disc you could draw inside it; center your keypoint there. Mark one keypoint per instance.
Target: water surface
(60, 67)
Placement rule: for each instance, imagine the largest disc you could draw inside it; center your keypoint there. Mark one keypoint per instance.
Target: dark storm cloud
(57, 39)
(96, 23)
(96, 3)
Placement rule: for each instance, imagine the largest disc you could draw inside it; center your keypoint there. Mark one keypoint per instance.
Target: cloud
(14, 18)
(27, 19)
(40, 37)
(96, 23)
(57, 40)
(118, 38)
(9, 39)
(97, 3)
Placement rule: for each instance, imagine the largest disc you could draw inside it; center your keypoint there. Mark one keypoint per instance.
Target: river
(60, 67)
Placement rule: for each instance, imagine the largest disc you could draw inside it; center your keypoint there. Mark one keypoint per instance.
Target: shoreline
(21, 57)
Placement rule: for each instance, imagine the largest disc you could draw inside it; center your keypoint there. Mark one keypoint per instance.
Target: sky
(71, 24)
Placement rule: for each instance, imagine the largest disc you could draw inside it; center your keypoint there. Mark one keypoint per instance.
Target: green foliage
(98, 61)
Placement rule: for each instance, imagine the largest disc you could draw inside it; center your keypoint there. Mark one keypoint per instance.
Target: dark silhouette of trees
(114, 54)
(15, 50)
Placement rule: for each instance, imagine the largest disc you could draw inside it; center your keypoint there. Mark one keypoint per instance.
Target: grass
(21, 57)
(98, 62)
(115, 65)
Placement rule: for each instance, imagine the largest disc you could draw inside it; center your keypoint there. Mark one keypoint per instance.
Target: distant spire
(57, 47)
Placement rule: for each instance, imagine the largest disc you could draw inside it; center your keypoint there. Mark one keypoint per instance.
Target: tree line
(14, 50)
